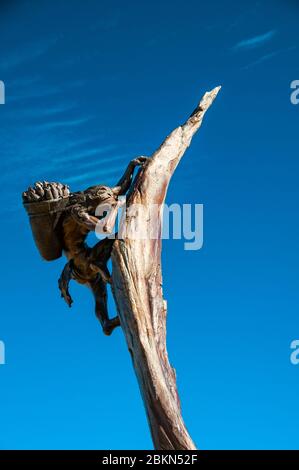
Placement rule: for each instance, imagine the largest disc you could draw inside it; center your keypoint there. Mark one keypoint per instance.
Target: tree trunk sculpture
(137, 288)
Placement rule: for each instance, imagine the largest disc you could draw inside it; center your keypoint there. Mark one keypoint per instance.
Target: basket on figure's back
(45, 203)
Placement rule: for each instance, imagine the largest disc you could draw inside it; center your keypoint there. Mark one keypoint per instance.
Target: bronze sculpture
(137, 275)
(60, 222)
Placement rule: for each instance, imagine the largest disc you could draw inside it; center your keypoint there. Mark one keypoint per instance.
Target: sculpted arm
(81, 216)
(124, 183)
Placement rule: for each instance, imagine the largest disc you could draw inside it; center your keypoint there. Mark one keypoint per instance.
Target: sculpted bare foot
(110, 325)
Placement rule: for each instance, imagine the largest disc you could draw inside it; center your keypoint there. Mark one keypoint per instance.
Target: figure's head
(97, 195)
(101, 202)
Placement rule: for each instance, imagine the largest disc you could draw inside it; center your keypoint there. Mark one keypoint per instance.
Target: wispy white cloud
(26, 53)
(248, 15)
(262, 59)
(62, 124)
(84, 154)
(255, 41)
(110, 163)
(29, 89)
(19, 95)
(100, 175)
(39, 112)
(20, 83)
(94, 177)
(74, 144)
(269, 56)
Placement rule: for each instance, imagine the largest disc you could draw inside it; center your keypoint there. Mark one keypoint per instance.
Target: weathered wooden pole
(137, 288)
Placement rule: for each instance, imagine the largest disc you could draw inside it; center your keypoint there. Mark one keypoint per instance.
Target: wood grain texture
(137, 288)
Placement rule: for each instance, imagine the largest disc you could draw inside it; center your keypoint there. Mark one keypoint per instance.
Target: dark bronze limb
(64, 280)
(99, 290)
(81, 216)
(99, 257)
(124, 183)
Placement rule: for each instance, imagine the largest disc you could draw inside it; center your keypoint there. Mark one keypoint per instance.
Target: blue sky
(90, 85)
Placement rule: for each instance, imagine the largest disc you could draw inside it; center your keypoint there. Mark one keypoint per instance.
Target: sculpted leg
(99, 257)
(64, 280)
(99, 290)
